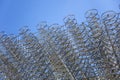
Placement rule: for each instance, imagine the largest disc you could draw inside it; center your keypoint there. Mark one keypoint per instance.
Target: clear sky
(15, 14)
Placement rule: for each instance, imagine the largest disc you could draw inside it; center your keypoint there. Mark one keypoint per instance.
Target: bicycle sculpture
(73, 51)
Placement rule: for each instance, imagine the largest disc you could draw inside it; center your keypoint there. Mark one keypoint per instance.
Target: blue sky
(15, 14)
